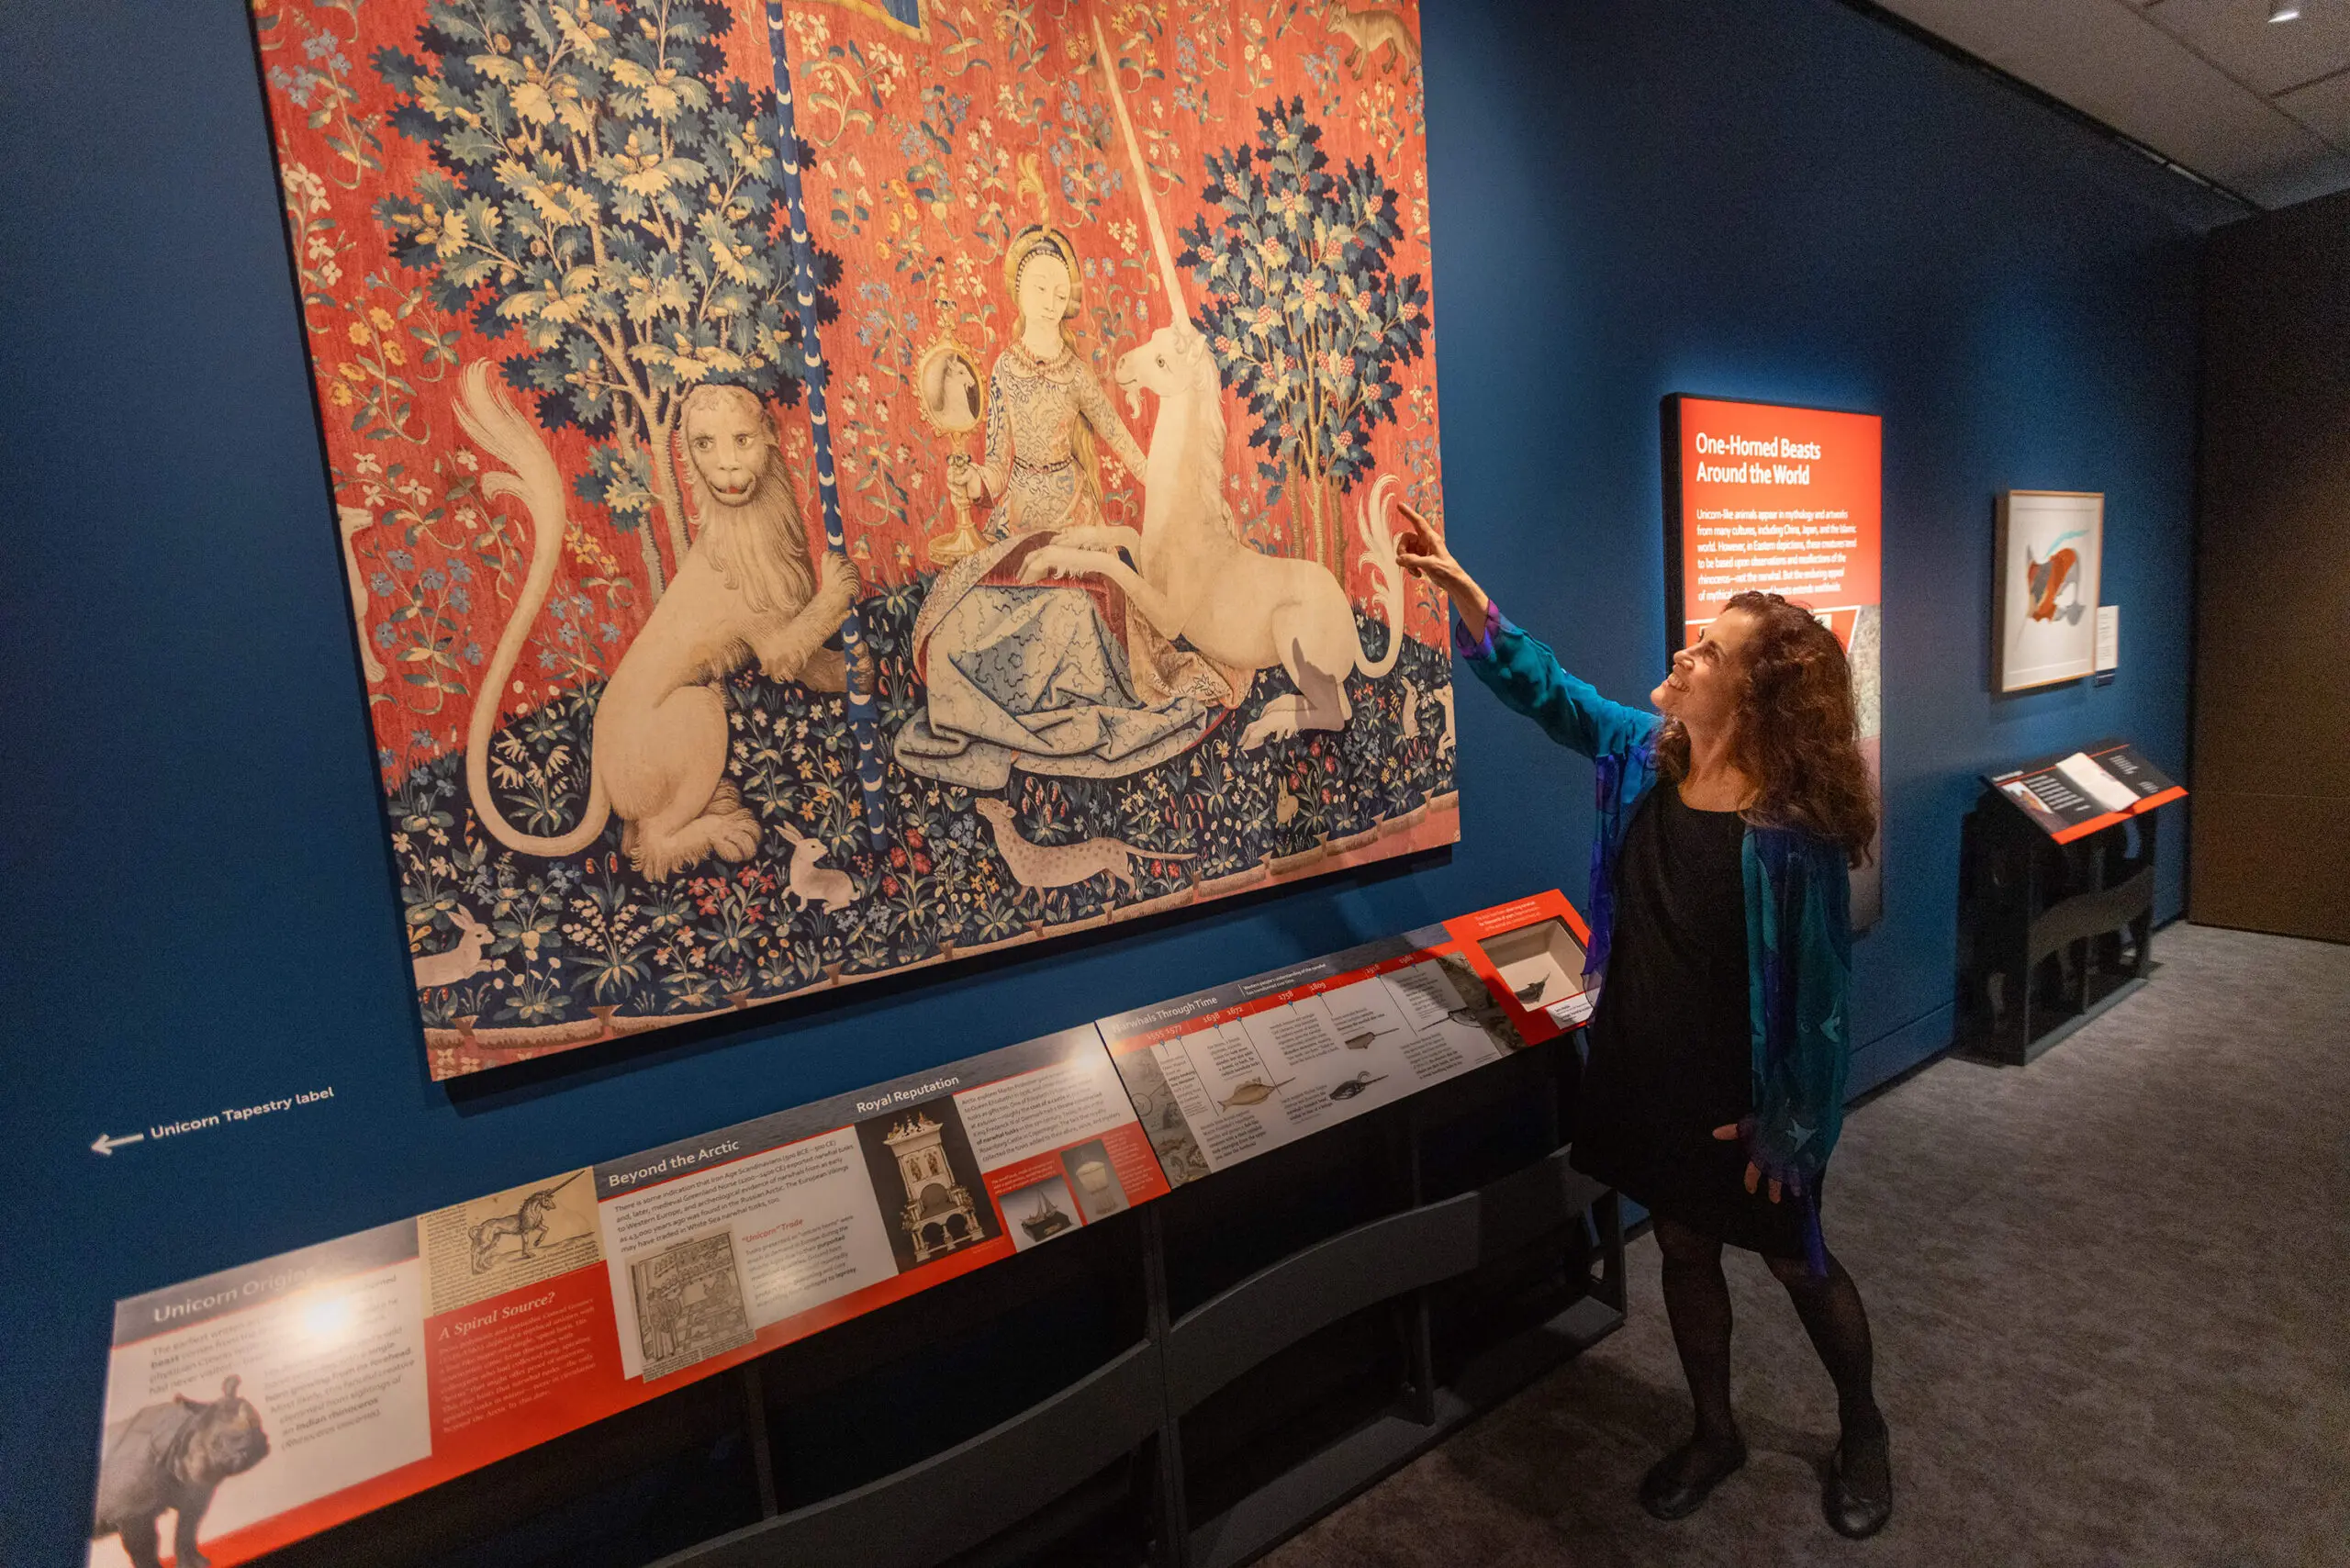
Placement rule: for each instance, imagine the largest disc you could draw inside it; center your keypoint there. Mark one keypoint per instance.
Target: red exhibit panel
(1772, 498)
(1779, 500)
(351, 1374)
(1531, 954)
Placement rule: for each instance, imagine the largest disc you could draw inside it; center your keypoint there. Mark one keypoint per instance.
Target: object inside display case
(1542, 965)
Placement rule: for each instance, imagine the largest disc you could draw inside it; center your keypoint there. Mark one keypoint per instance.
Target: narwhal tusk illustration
(1172, 279)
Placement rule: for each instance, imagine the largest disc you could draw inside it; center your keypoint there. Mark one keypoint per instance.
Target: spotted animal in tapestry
(170, 1458)
(1038, 866)
(744, 591)
(528, 1223)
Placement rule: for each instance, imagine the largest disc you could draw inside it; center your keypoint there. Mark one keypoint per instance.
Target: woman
(1714, 1088)
(1052, 677)
(1044, 407)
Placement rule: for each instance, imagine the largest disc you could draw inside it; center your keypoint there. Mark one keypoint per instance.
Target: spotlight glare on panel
(2284, 10)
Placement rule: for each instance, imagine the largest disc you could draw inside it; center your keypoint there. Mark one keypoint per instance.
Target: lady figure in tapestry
(1044, 408)
(827, 487)
(1053, 679)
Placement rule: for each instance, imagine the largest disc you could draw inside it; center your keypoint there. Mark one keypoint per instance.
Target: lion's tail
(1379, 543)
(496, 427)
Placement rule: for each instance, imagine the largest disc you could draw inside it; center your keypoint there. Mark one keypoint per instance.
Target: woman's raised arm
(1519, 669)
(1423, 553)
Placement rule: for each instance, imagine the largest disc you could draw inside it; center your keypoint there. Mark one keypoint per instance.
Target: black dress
(1670, 1045)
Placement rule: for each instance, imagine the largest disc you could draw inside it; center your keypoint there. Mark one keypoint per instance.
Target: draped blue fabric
(1798, 912)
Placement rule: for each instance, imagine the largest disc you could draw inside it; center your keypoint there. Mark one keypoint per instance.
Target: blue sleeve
(1526, 676)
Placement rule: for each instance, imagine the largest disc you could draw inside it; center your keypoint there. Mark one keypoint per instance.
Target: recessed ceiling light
(2284, 10)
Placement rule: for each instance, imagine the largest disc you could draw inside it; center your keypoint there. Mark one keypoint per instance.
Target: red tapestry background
(526, 234)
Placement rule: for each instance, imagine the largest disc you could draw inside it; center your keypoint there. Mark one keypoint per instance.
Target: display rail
(947, 1505)
(386, 1363)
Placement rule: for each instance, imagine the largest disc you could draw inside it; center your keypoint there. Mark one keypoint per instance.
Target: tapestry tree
(1307, 317)
(602, 195)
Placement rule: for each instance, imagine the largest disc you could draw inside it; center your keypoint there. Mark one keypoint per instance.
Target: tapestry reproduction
(833, 486)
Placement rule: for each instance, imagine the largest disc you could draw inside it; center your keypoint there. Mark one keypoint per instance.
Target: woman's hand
(966, 480)
(1422, 553)
(1730, 1134)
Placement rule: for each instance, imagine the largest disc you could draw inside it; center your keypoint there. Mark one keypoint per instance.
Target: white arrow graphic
(107, 1143)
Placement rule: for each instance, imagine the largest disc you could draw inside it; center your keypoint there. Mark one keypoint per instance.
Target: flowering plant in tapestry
(597, 198)
(1307, 318)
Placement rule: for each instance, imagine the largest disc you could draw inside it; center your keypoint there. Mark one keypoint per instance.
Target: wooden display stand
(2055, 904)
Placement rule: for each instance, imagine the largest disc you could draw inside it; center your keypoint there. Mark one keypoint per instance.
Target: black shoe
(1678, 1484)
(1859, 1511)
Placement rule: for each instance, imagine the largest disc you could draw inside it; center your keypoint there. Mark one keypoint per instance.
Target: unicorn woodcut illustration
(829, 487)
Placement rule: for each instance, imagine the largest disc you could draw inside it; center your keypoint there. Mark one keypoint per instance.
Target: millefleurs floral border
(584, 946)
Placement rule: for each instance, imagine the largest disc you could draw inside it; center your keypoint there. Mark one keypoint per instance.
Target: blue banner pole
(859, 653)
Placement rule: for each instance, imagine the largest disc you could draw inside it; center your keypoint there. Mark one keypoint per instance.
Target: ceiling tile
(2323, 107)
(2268, 57)
(2289, 181)
(2108, 60)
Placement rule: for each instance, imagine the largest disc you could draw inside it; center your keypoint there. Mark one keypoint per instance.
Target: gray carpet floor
(2111, 1301)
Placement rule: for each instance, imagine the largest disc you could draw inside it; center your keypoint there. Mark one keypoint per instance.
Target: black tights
(1697, 1300)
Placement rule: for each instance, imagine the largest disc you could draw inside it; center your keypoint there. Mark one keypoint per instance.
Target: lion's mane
(759, 547)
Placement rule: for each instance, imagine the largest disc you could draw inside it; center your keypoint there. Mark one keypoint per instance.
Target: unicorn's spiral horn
(1168, 275)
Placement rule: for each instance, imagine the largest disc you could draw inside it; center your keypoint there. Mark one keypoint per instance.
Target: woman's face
(1043, 292)
(1707, 680)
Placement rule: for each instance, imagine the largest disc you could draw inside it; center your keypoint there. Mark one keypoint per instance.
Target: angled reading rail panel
(1530, 1204)
(954, 1500)
(2092, 915)
(1277, 1306)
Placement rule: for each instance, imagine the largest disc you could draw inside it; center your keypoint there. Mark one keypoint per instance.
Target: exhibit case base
(2056, 895)
(2057, 1034)
(1183, 1386)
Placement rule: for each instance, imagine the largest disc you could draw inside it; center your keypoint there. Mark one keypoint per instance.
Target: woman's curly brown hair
(1797, 733)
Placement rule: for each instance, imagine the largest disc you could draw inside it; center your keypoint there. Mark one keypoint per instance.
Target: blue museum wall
(1783, 201)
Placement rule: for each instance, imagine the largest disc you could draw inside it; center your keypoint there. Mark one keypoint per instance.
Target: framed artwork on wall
(829, 487)
(2049, 550)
